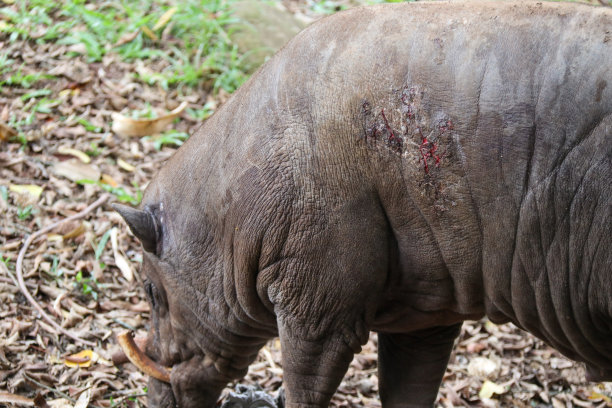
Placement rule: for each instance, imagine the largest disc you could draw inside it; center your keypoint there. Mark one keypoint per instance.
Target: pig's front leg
(313, 368)
(411, 365)
(325, 296)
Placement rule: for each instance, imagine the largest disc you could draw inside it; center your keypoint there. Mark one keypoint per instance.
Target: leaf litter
(62, 108)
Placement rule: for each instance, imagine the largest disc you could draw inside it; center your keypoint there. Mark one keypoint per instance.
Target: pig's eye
(151, 292)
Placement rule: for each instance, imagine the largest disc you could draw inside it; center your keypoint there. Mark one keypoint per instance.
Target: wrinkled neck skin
(208, 331)
(509, 215)
(205, 326)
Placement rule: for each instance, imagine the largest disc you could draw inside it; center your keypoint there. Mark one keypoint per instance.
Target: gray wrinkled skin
(399, 168)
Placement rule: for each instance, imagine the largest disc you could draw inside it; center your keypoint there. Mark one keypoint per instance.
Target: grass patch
(122, 194)
(189, 38)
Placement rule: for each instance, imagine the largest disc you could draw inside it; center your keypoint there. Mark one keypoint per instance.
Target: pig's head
(191, 331)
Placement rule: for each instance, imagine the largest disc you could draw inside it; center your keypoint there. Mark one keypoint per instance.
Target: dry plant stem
(19, 267)
(141, 360)
(9, 398)
(56, 391)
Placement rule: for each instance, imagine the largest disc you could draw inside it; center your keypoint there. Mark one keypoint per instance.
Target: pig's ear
(142, 224)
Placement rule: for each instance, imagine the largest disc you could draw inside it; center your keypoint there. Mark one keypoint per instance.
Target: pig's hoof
(249, 396)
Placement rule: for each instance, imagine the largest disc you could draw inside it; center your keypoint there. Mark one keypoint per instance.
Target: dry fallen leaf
(6, 132)
(107, 179)
(74, 152)
(40, 402)
(597, 395)
(8, 398)
(75, 70)
(483, 368)
(84, 358)
(75, 170)
(120, 261)
(125, 165)
(147, 31)
(126, 38)
(489, 388)
(163, 20)
(84, 398)
(32, 190)
(60, 403)
(124, 126)
(75, 232)
(54, 237)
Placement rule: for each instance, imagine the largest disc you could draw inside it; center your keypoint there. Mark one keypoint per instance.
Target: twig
(7, 280)
(6, 397)
(19, 267)
(124, 324)
(56, 391)
(46, 387)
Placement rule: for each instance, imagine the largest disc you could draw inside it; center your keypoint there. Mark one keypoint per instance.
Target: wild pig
(397, 168)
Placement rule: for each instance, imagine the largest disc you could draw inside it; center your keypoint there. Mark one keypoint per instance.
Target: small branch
(56, 391)
(46, 387)
(9, 398)
(5, 269)
(21, 256)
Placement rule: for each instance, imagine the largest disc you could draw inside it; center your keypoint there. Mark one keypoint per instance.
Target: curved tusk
(141, 360)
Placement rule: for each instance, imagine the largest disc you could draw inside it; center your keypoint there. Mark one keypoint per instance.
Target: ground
(66, 70)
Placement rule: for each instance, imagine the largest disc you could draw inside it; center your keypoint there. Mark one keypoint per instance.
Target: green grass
(99, 248)
(18, 78)
(90, 127)
(87, 286)
(170, 138)
(6, 261)
(122, 194)
(197, 49)
(191, 50)
(17, 124)
(201, 114)
(4, 193)
(25, 212)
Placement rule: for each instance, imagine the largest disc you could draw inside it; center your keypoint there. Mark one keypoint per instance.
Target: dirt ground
(59, 153)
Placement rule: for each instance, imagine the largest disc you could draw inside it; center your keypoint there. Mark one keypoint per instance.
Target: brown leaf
(9, 398)
(84, 398)
(84, 358)
(31, 190)
(124, 126)
(107, 179)
(6, 132)
(126, 38)
(75, 232)
(163, 20)
(75, 170)
(149, 33)
(120, 261)
(74, 152)
(125, 165)
(73, 69)
(40, 402)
